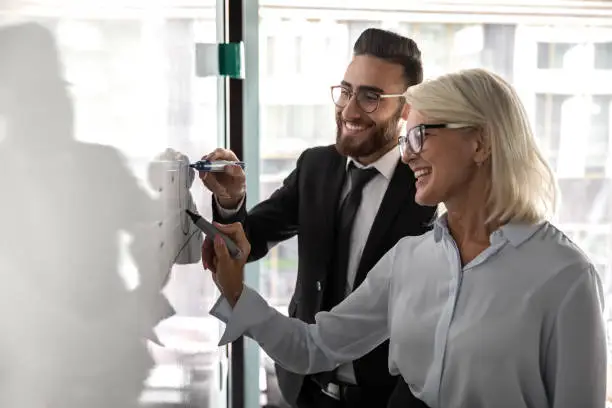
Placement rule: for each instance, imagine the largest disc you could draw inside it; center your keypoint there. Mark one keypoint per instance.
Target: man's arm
(272, 221)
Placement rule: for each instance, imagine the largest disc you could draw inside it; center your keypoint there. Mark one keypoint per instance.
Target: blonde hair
(522, 187)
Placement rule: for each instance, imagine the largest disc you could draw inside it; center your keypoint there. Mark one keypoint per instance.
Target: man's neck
(367, 160)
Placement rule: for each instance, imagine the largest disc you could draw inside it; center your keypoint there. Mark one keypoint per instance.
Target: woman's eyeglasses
(415, 137)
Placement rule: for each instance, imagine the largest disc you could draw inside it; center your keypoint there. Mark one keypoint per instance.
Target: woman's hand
(227, 273)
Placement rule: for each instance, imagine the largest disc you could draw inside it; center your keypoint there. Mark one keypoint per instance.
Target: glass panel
(95, 250)
(552, 55)
(603, 55)
(546, 62)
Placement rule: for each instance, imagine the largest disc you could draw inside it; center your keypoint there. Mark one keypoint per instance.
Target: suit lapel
(399, 190)
(333, 181)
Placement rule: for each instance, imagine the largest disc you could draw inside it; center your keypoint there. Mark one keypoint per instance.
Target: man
(348, 204)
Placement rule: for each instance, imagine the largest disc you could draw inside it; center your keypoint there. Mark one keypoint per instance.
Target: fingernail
(218, 240)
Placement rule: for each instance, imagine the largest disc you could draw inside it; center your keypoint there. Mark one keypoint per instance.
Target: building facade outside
(563, 73)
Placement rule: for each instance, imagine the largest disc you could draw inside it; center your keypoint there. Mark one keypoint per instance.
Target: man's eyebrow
(371, 88)
(363, 87)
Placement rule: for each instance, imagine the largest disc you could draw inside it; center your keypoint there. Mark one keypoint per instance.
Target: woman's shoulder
(551, 248)
(556, 240)
(415, 240)
(412, 245)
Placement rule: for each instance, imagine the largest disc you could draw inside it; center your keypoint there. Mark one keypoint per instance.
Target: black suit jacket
(306, 205)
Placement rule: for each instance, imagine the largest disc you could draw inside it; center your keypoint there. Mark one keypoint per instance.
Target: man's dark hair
(394, 48)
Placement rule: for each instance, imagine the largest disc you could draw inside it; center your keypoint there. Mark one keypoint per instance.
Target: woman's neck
(467, 217)
(469, 226)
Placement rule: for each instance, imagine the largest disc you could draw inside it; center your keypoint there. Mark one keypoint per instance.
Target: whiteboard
(103, 299)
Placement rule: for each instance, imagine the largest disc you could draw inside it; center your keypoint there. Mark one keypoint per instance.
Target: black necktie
(337, 281)
(335, 290)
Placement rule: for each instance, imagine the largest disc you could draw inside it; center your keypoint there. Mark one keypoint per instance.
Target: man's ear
(405, 111)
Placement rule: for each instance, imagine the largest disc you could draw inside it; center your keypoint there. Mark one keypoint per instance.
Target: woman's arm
(575, 371)
(349, 331)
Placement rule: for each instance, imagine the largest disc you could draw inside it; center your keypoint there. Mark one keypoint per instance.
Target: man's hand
(228, 186)
(227, 273)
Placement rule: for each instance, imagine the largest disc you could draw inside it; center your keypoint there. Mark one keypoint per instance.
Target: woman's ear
(483, 146)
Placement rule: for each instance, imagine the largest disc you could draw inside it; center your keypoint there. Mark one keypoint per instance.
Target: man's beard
(379, 136)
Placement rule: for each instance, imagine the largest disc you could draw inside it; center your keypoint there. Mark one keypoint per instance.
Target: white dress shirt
(520, 326)
(372, 197)
(373, 194)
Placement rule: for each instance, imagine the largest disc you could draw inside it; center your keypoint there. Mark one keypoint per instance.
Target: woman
(495, 307)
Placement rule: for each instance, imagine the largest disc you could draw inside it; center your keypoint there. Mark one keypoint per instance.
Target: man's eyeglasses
(415, 137)
(367, 100)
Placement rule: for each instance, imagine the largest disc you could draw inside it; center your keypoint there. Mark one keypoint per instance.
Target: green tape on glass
(230, 60)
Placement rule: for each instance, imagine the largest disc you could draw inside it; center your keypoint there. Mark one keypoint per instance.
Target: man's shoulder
(320, 154)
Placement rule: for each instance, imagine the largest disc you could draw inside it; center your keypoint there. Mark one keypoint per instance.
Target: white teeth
(421, 172)
(354, 126)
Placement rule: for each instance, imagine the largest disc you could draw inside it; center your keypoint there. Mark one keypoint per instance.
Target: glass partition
(100, 113)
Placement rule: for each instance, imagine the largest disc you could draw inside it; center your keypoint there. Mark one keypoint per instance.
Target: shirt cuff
(228, 212)
(250, 310)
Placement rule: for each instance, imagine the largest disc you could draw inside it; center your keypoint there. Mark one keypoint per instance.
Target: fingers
(212, 183)
(235, 232)
(221, 253)
(208, 255)
(228, 183)
(208, 260)
(234, 170)
(221, 154)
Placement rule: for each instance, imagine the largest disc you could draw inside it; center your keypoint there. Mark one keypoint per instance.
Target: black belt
(338, 390)
(367, 396)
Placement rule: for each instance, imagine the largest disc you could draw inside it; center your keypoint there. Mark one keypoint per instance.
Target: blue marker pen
(214, 166)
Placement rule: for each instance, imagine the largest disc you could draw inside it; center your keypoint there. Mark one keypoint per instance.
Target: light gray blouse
(520, 326)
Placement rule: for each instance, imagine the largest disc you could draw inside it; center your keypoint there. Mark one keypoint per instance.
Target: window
(548, 124)
(355, 28)
(547, 62)
(552, 55)
(447, 46)
(599, 135)
(588, 153)
(498, 48)
(270, 55)
(299, 54)
(603, 55)
(313, 124)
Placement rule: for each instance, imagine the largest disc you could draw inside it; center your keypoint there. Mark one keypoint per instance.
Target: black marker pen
(211, 232)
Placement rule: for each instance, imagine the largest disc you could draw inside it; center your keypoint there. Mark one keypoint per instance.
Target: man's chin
(353, 150)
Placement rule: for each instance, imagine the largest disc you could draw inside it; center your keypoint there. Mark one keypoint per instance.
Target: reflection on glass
(91, 222)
